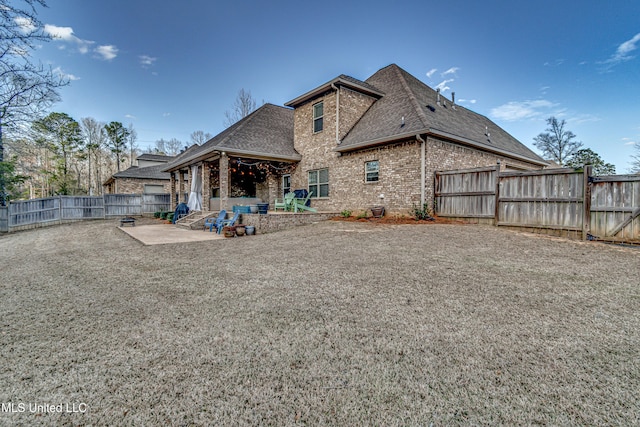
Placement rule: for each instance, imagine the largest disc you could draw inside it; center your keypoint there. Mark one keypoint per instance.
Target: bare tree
(556, 143)
(27, 89)
(635, 163)
(199, 137)
(133, 148)
(242, 107)
(95, 140)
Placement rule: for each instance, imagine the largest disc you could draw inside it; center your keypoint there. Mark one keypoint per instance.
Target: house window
(153, 189)
(371, 171)
(318, 114)
(286, 184)
(319, 183)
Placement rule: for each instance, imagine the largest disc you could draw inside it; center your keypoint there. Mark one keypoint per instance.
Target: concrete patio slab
(162, 234)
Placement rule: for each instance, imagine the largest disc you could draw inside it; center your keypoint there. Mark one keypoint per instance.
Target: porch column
(224, 181)
(206, 186)
(172, 190)
(272, 185)
(180, 186)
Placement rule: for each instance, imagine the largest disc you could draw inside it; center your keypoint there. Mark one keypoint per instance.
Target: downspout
(423, 153)
(333, 86)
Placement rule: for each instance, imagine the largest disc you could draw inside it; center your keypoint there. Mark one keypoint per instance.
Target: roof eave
(378, 141)
(327, 86)
(234, 152)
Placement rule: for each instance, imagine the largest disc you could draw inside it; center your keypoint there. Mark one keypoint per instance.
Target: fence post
(586, 201)
(496, 210)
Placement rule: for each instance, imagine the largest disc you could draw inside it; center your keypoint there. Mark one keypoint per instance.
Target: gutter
(423, 154)
(337, 112)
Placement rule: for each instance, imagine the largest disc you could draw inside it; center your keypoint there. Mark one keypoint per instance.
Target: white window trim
(365, 172)
(318, 183)
(283, 187)
(314, 118)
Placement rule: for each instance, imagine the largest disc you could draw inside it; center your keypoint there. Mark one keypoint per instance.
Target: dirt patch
(336, 323)
(397, 219)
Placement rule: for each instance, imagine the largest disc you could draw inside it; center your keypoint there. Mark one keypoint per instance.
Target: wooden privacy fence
(55, 210)
(561, 201)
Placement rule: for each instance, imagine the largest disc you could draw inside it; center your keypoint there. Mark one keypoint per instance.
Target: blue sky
(170, 68)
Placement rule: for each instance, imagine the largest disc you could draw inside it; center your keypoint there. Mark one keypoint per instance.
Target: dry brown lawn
(334, 323)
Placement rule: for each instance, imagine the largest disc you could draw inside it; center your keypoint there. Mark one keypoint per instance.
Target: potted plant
(377, 211)
(240, 230)
(229, 231)
(250, 230)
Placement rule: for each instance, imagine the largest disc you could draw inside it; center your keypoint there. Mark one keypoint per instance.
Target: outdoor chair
(229, 222)
(287, 202)
(301, 204)
(215, 222)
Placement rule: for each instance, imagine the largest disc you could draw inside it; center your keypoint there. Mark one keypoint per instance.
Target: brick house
(146, 177)
(356, 144)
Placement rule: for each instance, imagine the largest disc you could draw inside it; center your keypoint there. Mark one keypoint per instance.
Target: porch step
(195, 220)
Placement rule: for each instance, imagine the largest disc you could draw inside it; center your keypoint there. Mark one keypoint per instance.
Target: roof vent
(438, 96)
(431, 107)
(402, 122)
(453, 100)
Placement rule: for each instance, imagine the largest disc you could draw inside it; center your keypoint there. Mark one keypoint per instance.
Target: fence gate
(615, 207)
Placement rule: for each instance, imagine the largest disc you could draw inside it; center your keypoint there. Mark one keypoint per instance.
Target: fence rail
(568, 201)
(55, 210)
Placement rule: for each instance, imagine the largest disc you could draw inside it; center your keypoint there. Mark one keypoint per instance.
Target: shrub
(157, 214)
(362, 215)
(345, 213)
(170, 216)
(421, 213)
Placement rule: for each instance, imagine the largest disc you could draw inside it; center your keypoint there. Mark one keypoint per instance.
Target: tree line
(61, 156)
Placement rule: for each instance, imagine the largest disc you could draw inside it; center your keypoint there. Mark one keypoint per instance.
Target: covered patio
(243, 165)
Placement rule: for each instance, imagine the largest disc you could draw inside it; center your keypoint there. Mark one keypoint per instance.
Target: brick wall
(136, 185)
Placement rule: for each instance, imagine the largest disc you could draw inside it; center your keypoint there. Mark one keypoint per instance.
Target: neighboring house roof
(155, 157)
(409, 98)
(265, 133)
(149, 172)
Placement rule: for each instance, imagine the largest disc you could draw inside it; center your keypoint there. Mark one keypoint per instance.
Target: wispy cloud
(622, 53)
(130, 116)
(628, 141)
(61, 73)
(443, 85)
(65, 34)
(147, 61)
(107, 52)
(522, 110)
(431, 72)
(464, 101)
(451, 70)
(166, 114)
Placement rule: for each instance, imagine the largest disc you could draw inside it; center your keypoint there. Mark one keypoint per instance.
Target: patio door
(286, 184)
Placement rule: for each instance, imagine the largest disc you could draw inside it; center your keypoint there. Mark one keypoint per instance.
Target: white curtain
(195, 196)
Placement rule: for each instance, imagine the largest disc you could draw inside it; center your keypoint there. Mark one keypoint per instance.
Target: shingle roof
(155, 157)
(149, 172)
(406, 96)
(267, 132)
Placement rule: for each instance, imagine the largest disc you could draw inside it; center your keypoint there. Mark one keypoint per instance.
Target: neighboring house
(354, 144)
(147, 177)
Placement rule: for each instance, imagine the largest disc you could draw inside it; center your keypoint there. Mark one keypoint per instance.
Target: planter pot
(240, 230)
(377, 211)
(253, 209)
(250, 230)
(263, 208)
(229, 231)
